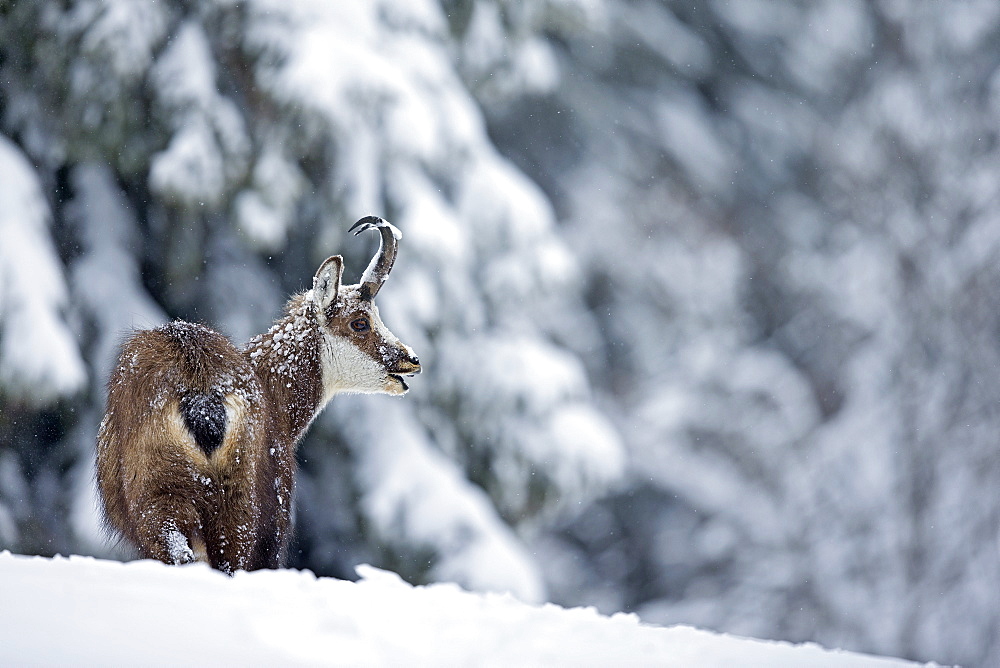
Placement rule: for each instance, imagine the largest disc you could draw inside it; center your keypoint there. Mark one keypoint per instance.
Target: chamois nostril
(414, 363)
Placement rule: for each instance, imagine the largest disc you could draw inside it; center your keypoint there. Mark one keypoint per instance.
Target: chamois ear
(326, 282)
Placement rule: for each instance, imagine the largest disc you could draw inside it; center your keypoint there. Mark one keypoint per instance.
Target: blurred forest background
(707, 293)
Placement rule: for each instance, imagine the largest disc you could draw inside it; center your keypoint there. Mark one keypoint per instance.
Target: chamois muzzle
(405, 364)
(381, 264)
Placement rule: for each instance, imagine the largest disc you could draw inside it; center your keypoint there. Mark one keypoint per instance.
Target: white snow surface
(82, 611)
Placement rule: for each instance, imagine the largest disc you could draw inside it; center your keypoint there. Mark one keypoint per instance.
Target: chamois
(196, 452)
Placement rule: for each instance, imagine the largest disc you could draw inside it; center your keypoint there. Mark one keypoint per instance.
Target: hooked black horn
(380, 265)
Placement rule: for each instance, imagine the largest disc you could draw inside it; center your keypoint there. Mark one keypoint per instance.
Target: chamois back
(182, 425)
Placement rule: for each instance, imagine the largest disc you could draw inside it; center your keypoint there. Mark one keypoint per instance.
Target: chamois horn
(381, 264)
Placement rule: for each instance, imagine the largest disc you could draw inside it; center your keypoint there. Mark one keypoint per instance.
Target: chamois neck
(286, 359)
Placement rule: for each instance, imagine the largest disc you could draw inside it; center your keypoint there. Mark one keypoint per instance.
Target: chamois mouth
(407, 369)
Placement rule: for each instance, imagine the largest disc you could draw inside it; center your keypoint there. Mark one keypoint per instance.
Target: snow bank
(83, 611)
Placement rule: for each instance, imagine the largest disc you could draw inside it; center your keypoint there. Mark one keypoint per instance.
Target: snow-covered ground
(83, 611)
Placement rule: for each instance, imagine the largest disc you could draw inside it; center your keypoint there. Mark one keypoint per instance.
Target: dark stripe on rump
(205, 417)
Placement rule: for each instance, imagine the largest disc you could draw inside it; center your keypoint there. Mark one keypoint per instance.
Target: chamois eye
(360, 325)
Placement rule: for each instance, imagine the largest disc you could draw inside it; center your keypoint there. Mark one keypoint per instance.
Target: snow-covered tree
(198, 162)
(788, 216)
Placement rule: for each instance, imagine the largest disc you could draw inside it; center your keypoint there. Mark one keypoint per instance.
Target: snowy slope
(82, 611)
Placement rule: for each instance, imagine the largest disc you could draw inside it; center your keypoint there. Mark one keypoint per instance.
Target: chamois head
(359, 353)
